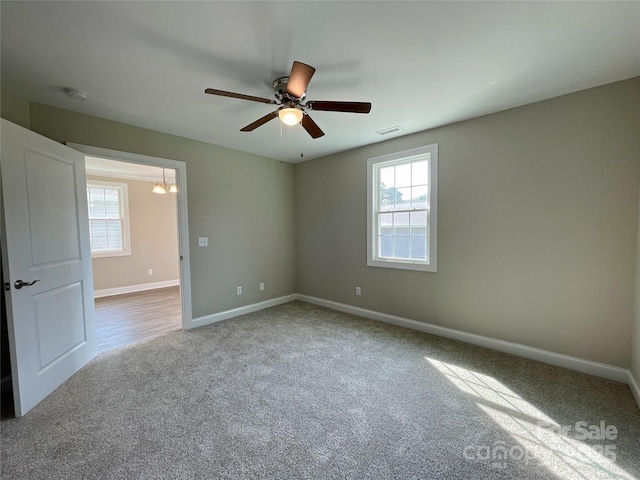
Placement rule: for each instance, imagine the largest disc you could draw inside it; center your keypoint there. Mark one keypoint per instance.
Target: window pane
(113, 210)
(387, 177)
(111, 195)
(104, 202)
(99, 228)
(403, 199)
(418, 223)
(388, 198)
(386, 219)
(99, 235)
(419, 173)
(115, 244)
(401, 223)
(385, 224)
(419, 248)
(112, 203)
(420, 197)
(96, 194)
(97, 209)
(402, 246)
(96, 203)
(403, 175)
(418, 218)
(114, 235)
(105, 235)
(385, 246)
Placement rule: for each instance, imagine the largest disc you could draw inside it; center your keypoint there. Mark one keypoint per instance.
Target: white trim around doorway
(183, 223)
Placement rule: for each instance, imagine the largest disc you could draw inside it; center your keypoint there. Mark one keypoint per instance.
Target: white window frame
(374, 165)
(123, 200)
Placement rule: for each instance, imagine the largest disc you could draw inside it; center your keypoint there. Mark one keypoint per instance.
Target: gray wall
(14, 108)
(242, 202)
(537, 226)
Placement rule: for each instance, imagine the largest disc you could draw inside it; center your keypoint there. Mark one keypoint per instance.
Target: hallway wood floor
(130, 318)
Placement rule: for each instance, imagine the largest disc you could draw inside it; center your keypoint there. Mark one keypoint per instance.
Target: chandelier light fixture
(163, 186)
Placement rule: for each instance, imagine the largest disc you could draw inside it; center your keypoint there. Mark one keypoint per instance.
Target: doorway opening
(142, 287)
(133, 230)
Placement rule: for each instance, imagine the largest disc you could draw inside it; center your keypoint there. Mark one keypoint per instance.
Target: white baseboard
(610, 372)
(107, 292)
(635, 388)
(236, 312)
(586, 366)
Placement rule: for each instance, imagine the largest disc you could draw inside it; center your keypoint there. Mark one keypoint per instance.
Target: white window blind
(108, 218)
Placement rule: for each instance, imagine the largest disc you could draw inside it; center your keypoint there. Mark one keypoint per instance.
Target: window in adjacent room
(402, 193)
(108, 219)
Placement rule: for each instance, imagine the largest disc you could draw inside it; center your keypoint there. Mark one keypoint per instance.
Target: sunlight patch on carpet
(540, 439)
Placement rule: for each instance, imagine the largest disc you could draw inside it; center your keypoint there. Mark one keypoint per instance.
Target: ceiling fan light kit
(290, 115)
(290, 92)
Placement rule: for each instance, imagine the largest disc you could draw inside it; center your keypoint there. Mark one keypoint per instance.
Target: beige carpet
(298, 391)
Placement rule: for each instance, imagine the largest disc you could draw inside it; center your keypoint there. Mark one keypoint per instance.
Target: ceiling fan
(290, 92)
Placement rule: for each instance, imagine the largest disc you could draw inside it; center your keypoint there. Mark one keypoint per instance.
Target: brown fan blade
(222, 93)
(311, 127)
(299, 79)
(259, 122)
(351, 107)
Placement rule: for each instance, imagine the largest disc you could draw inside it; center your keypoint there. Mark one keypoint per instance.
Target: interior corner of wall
(16, 109)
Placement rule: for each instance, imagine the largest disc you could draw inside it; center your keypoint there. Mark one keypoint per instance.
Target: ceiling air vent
(388, 131)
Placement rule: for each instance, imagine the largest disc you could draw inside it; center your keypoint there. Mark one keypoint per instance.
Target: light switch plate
(203, 241)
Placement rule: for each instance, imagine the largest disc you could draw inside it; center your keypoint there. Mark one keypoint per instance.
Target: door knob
(19, 284)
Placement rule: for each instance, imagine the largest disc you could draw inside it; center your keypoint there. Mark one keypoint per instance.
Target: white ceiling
(421, 64)
(102, 167)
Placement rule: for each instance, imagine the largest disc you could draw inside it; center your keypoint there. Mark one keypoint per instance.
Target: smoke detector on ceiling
(74, 93)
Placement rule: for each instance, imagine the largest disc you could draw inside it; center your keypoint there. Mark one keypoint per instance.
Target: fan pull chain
(300, 136)
(281, 148)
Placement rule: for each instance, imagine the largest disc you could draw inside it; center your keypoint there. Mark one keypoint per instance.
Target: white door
(45, 240)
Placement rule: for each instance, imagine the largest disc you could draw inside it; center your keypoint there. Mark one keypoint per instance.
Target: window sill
(110, 254)
(422, 267)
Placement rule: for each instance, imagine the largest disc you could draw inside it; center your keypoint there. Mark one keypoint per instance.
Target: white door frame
(183, 219)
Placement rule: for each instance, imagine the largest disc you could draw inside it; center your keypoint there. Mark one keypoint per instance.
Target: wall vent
(389, 130)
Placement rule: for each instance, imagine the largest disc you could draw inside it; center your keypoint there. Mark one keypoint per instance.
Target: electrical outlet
(239, 291)
(261, 286)
(150, 271)
(358, 291)
(203, 241)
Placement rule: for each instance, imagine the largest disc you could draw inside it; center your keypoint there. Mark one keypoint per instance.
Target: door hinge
(7, 286)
